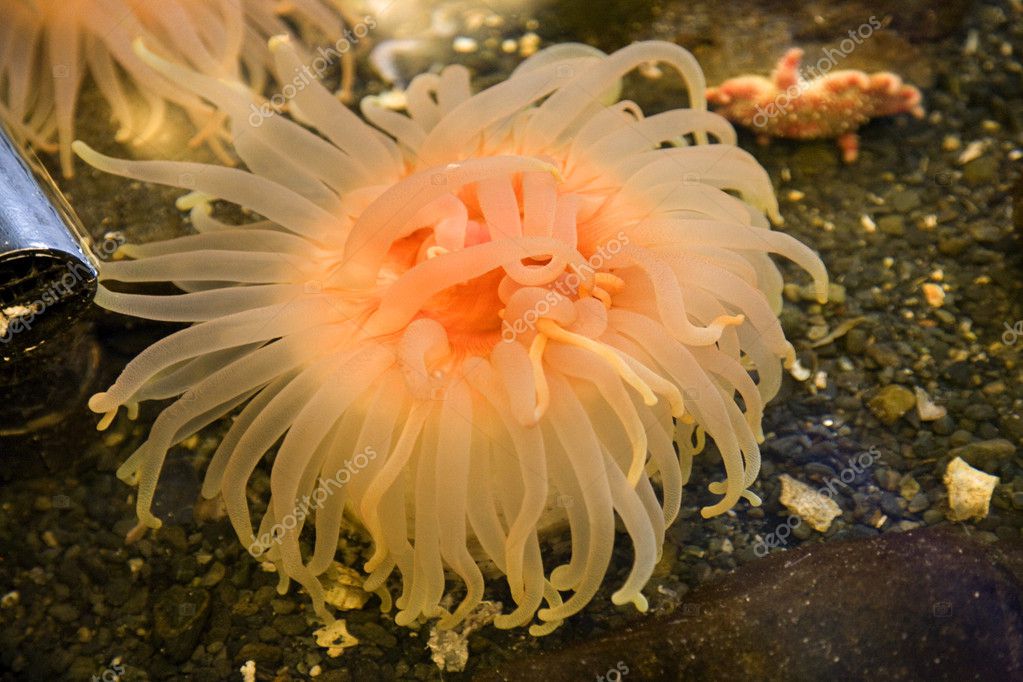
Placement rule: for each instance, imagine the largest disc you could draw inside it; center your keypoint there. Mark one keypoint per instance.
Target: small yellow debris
(798, 372)
(868, 223)
(908, 487)
(974, 150)
(934, 294)
(10, 599)
(335, 638)
(795, 195)
(529, 44)
(951, 143)
(808, 504)
(509, 46)
(342, 588)
(394, 99)
(651, 70)
(449, 649)
(113, 439)
(315, 671)
(464, 45)
(969, 491)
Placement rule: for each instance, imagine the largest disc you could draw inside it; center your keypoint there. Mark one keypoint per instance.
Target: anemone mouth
(498, 213)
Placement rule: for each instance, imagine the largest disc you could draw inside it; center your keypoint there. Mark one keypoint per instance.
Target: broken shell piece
(969, 491)
(808, 504)
(449, 649)
(927, 410)
(335, 638)
(342, 587)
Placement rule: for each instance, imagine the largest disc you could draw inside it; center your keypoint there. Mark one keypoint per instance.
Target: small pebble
(891, 402)
(934, 294)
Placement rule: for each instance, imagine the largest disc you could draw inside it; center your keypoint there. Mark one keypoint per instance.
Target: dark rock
(960, 437)
(894, 225)
(178, 619)
(961, 373)
(265, 655)
(1017, 206)
(291, 625)
(953, 246)
(65, 613)
(883, 355)
(905, 200)
(943, 426)
(951, 609)
(856, 341)
(981, 170)
(985, 454)
(979, 412)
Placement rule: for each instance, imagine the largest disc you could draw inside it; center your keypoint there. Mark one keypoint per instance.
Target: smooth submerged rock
(929, 604)
(891, 402)
(985, 454)
(179, 617)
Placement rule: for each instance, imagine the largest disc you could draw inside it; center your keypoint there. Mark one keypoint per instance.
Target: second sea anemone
(47, 48)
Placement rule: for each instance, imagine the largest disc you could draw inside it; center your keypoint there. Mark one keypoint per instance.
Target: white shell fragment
(969, 491)
(449, 649)
(808, 504)
(927, 410)
(342, 587)
(335, 638)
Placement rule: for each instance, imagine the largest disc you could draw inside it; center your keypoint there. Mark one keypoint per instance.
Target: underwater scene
(499, 340)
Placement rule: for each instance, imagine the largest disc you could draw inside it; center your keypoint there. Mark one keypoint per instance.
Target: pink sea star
(829, 105)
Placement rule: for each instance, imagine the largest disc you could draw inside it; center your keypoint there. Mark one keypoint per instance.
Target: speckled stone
(825, 599)
(178, 620)
(891, 402)
(981, 170)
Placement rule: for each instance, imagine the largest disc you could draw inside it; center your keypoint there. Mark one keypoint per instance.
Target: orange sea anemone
(47, 47)
(501, 302)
